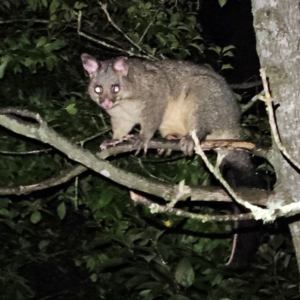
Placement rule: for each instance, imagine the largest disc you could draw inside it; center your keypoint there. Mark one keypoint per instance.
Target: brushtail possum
(174, 97)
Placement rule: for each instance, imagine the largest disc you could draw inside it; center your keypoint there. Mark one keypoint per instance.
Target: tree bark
(277, 28)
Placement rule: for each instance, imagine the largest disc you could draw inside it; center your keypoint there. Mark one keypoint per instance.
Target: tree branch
(64, 176)
(245, 85)
(111, 21)
(258, 212)
(156, 208)
(270, 110)
(166, 191)
(102, 43)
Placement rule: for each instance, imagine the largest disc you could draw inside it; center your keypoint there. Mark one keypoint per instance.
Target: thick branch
(40, 131)
(64, 176)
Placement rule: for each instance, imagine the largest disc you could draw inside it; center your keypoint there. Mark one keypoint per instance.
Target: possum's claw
(187, 145)
(139, 142)
(169, 137)
(109, 143)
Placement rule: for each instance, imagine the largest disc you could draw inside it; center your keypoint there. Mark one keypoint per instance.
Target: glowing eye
(115, 89)
(98, 89)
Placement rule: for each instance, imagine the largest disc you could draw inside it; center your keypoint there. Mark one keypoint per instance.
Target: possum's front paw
(187, 145)
(109, 143)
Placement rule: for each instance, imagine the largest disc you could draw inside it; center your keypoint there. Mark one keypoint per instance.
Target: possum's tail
(239, 170)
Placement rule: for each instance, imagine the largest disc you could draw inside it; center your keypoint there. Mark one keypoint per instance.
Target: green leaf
(135, 281)
(184, 273)
(228, 53)
(216, 49)
(43, 244)
(33, 4)
(77, 262)
(61, 210)
(3, 68)
(146, 293)
(54, 6)
(17, 69)
(7, 4)
(131, 10)
(222, 2)
(184, 28)
(226, 66)
(199, 47)
(161, 40)
(217, 280)
(4, 202)
(148, 5)
(94, 277)
(41, 41)
(5, 213)
(58, 44)
(91, 263)
(174, 45)
(79, 5)
(35, 217)
(229, 47)
(45, 3)
(71, 109)
(28, 62)
(49, 63)
(107, 195)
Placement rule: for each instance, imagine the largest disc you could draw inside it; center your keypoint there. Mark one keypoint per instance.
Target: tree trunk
(277, 27)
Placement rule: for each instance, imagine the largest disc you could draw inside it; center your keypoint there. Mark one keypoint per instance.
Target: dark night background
(86, 239)
(232, 24)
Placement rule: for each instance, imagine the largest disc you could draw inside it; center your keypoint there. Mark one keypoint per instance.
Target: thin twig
(247, 106)
(90, 138)
(27, 21)
(32, 152)
(267, 215)
(96, 40)
(157, 208)
(147, 172)
(245, 85)
(270, 110)
(63, 177)
(149, 25)
(111, 21)
(182, 192)
(38, 21)
(128, 52)
(253, 208)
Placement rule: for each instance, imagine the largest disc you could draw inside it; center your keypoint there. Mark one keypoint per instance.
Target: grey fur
(165, 95)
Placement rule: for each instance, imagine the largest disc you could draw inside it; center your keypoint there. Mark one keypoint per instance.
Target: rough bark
(277, 27)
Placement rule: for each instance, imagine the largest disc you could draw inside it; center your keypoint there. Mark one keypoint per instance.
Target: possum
(175, 98)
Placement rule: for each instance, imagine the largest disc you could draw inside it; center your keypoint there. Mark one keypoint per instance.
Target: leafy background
(86, 239)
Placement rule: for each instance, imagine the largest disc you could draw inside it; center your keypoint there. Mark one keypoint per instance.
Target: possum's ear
(121, 66)
(90, 63)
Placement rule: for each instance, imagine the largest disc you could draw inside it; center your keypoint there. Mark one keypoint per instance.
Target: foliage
(85, 239)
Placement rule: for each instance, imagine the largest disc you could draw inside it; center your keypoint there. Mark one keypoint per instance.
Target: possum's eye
(115, 89)
(98, 89)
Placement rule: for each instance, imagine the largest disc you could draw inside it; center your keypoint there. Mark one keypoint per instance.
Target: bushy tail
(239, 170)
